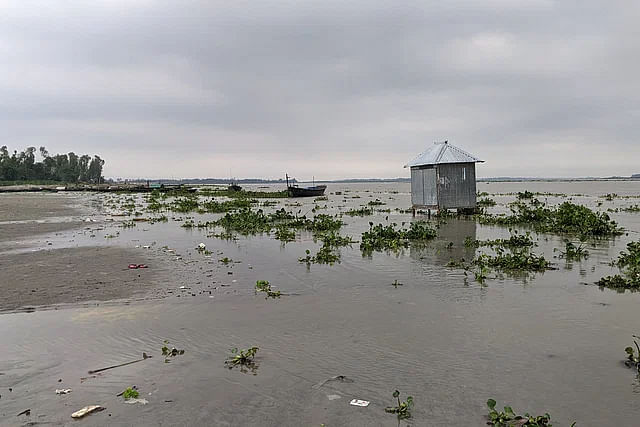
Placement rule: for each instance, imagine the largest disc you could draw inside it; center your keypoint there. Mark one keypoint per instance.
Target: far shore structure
(443, 177)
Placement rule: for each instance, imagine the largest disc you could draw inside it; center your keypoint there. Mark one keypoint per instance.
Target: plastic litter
(358, 402)
(202, 246)
(87, 410)
(63, 390)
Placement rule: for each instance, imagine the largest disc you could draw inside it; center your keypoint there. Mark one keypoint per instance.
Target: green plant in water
(243, 359)
(381, 237)
(168, 352)
(403, 409)
(573, 252)
(633, 358)
(629, 265)
(130, 393)
(508, 418)
(264, 286)
(364, 211)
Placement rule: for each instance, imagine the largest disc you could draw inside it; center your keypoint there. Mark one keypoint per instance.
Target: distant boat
(314, 191)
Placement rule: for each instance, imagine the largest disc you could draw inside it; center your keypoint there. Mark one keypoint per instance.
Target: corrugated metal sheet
(440, 153)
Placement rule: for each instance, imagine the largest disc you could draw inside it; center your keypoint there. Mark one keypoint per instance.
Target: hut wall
(456, 185)
(424, 191)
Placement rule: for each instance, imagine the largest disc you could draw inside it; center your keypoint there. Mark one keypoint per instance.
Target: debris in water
(63, 390)
(358, 402)
(144, 357)
(333, 396)
(26, 412)
(341, 378)
(133, 401)
(87, 410)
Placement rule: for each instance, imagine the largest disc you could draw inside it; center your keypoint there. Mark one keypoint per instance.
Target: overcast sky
(330, 89)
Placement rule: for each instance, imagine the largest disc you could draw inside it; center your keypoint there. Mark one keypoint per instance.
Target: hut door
(430, 192)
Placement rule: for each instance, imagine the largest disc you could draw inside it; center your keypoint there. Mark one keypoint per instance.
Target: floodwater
(551, 342)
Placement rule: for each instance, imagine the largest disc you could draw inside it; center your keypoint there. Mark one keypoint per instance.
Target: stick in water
(144, 357)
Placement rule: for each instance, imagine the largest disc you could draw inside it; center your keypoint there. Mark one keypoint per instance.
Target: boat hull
(316, 191)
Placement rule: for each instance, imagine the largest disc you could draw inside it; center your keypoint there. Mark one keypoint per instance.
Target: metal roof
(442, 152)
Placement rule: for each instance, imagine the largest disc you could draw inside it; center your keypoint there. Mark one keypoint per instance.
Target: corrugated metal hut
(443, 177)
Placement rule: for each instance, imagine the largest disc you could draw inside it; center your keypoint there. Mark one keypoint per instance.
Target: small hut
(443, 177)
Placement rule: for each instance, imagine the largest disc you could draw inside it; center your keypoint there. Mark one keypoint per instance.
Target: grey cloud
(358, 86)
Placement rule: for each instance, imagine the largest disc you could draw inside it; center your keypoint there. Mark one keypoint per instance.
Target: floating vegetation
(325, 255)
(574, 252)
(334, 240)
(633, 208)
(508, 418)
(284, 234)
(364, 211)
(633, 358)
(395, 284)
(376, 202)
(524, 195)
(380, 237)
(512, 262)
(566, 218)
(243, 359)
(629, 265)
(321, 199)
(168, 352)
(403, 409)
(512, 256)
(130, 393)
(516, 240)
(264, 286)
(485, 202)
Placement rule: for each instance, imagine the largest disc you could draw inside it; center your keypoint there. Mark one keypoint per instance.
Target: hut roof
(442, 152)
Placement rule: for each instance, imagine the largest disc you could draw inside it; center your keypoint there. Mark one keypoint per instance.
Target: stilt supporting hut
(443, 177)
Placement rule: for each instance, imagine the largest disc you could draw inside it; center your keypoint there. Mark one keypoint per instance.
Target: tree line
(22, 166)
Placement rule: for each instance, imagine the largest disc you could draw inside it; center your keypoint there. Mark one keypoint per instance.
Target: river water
(551, 342)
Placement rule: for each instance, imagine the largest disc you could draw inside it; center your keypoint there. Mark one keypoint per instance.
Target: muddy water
(551, 342)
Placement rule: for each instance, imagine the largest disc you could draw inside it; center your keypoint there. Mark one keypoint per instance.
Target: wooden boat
(317, 190)
(314, 191)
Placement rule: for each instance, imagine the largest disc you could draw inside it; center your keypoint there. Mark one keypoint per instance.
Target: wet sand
(74, 275)
(46, 277)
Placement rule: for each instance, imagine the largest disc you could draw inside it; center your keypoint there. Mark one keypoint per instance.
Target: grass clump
(264, 286)
(629, 265)
(403, 409)
(508, 418)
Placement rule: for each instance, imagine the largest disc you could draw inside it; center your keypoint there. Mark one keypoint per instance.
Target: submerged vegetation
(573, 251)
(629, 265)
